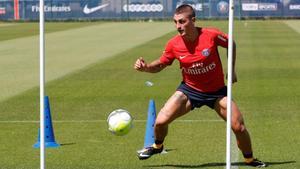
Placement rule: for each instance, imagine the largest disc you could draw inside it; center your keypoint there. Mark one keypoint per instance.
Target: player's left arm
(222, 40)
(234, 76)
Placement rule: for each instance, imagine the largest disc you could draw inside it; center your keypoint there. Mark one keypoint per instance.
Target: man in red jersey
(196, 49)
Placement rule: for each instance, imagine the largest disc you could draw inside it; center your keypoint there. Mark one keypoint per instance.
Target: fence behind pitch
(144, 9)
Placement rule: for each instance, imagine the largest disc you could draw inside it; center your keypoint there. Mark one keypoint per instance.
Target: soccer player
(196, 49)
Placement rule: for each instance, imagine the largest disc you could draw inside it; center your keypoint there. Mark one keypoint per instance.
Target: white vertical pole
(229, 84)
(42, 86)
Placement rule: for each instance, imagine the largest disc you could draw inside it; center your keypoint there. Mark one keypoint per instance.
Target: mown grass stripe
(10, 31)
(294, 24)
(68, 51)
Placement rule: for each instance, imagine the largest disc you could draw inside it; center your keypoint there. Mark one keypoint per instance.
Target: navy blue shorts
(199, 99)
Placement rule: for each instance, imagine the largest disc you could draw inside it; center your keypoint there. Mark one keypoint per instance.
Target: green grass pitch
(83, 93)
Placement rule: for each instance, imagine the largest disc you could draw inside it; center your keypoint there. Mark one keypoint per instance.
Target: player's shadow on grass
(207, 165)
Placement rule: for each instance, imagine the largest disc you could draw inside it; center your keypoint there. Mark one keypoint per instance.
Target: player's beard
(181, 32)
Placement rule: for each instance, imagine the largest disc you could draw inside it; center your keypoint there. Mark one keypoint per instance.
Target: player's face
(184, 24)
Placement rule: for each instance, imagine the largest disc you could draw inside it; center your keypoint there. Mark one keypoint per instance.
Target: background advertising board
(143, 9)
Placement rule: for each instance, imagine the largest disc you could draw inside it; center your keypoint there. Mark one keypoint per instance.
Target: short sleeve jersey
(199, 60)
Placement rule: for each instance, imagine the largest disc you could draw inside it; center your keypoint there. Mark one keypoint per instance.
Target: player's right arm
(157, 65)
(153, 67)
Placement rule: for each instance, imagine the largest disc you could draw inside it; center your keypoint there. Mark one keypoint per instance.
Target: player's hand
(140, 64)
(234, 77)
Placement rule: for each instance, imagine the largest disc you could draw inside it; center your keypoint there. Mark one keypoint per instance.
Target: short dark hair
(185, 8)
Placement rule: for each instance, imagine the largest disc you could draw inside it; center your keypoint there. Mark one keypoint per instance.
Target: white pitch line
(96, 121)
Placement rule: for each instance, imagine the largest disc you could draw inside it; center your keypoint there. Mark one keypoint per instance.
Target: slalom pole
(229, 84)
(42, 86)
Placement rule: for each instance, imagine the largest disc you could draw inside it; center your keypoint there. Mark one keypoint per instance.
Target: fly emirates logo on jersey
(199, 68)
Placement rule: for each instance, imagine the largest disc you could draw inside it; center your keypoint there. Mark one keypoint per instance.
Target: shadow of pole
(67, 144)
(207, 165)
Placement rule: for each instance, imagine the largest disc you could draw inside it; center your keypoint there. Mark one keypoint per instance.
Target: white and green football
(119, 122)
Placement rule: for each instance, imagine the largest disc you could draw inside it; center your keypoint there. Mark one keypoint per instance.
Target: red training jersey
(199, 60)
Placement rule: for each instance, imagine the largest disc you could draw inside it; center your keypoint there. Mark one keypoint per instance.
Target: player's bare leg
(237, 124)
(176, 106)
(240, 131)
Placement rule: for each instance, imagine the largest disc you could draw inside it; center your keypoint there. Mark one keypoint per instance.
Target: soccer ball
(119, 122)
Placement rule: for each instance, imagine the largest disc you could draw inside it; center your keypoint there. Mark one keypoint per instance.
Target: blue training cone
(49, 135)
(149, 135)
